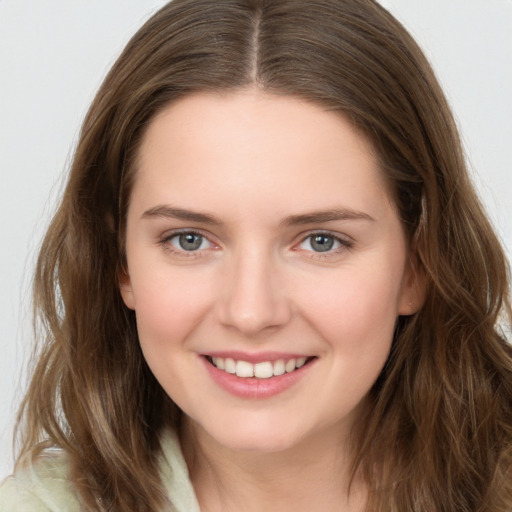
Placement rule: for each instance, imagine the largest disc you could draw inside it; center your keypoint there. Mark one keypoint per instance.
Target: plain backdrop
(54, 54)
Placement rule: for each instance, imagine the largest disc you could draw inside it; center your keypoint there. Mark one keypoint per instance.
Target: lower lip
(252, 387)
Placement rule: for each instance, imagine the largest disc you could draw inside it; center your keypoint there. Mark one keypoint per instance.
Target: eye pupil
(322, 243)
(190, 241)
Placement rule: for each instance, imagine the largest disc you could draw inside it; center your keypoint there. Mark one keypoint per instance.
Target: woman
(270, 284)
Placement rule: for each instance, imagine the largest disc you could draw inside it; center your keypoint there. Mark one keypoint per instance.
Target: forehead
(247, 115)
(240, 144)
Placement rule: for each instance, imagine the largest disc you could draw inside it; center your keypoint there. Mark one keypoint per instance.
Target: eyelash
(344, 244)
(166, 240)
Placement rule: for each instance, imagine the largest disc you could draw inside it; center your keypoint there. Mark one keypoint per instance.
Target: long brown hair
(438, 433)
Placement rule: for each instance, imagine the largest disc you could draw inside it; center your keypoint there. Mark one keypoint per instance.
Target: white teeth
(229, 365)
(290, 365)
(244, 369)
(263, 370)
(300, 362)
(279, 367)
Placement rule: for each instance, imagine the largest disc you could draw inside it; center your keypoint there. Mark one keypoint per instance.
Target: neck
(313, 475)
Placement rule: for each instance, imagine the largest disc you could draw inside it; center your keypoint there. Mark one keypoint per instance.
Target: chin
(257, 445)
(261, 438)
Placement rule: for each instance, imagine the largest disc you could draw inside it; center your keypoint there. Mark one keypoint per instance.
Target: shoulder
(40, 485)
(44, 484)
(174, 473)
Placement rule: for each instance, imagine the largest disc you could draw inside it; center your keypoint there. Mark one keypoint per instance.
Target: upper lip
(257, 357)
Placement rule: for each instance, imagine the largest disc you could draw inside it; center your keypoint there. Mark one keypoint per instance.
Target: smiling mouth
(262, 370)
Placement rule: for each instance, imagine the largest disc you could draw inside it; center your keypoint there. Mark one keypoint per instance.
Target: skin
(255, 162)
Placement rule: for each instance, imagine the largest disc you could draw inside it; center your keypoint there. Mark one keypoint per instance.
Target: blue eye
(320, 242)
(189, 242)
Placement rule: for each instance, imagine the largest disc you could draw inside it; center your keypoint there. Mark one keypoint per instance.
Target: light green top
(45, 486)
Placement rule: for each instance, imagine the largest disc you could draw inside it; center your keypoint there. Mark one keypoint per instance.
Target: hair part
(437, 434)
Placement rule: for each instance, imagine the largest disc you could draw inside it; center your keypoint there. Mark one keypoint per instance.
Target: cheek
(168, 306)
(355, 310)
(355, 316)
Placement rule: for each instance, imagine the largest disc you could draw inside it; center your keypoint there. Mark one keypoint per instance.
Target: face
(266, 265)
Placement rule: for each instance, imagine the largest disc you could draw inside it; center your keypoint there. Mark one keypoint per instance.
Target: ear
(413, 290)
(125, 287)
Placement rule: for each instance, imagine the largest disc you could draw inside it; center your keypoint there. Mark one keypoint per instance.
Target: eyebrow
(318, 217)
(314, 217)
(167, 211)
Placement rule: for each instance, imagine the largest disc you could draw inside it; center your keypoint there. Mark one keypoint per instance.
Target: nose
(253, 297)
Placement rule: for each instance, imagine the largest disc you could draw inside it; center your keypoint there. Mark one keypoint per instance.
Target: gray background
(54, 54)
